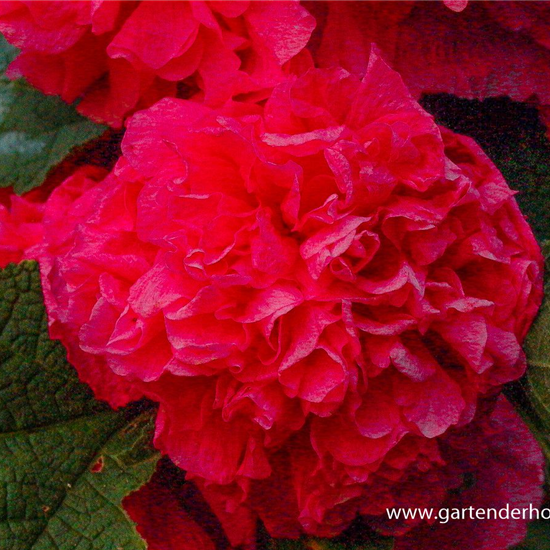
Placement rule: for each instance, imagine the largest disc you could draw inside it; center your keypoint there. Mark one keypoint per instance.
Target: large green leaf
(36, 132)
(66, 460)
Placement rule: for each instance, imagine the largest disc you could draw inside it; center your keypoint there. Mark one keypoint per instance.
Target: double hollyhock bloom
(122, 55)
(473, 50)
(315, 292)
(492, 463)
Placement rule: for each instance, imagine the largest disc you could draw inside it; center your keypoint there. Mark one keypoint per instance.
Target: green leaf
(537, 349)
(7, 54)
(538, 536)
(36, 131)
(66, 460)
(537, 343)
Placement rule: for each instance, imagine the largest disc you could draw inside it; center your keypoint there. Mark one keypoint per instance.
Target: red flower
(331, 274)
(479, 50)
(20, 225)
(67, 206)
(120, 55)
(492, 463)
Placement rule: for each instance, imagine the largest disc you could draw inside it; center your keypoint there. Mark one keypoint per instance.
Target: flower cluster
(120, 55)
(331, 273)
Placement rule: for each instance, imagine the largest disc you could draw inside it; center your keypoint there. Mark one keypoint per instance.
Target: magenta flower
(331, 273)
